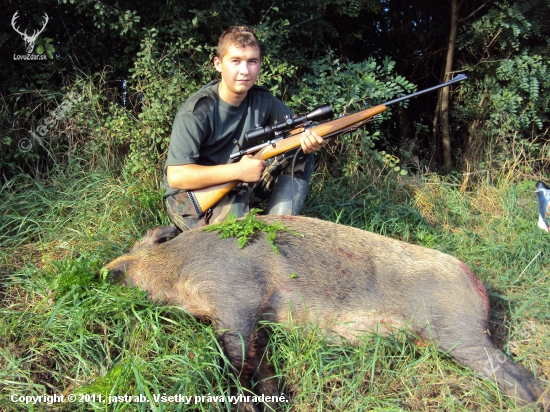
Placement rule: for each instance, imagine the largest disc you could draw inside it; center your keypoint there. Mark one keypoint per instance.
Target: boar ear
(159, 235)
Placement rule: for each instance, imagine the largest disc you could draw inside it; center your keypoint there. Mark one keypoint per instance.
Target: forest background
(133, 64)
(84, 133)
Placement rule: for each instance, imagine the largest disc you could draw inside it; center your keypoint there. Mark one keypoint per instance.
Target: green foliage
(352, 8)
(506, 103)
(163, 82)
(350, 87)
(390, 161)
(75, 276)
(62, 208)
(243, 229)
(46, 47)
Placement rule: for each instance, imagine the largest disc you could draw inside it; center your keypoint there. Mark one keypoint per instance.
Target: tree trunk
(475, 142)
(434, 155)
(402, 114)
(445, 92)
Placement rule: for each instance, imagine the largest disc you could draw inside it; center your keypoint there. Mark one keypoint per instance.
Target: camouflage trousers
(243, 197)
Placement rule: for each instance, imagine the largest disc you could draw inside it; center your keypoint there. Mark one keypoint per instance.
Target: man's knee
(303, 168)
(181, 211)
(289, 193)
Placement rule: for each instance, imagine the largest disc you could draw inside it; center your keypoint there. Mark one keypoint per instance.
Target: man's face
(239, 68)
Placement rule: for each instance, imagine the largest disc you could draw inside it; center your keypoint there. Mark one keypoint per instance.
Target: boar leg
(264, 373)
(235, 336)
(513, 378)
(474, 349)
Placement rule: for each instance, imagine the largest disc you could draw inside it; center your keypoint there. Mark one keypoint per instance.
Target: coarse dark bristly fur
(347, 280)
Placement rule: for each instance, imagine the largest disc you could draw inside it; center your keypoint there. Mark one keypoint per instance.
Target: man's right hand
(251, 169)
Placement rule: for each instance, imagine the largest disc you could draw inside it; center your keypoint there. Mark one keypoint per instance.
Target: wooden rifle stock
(204, 199)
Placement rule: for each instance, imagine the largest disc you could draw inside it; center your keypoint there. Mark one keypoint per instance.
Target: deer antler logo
(29, 40)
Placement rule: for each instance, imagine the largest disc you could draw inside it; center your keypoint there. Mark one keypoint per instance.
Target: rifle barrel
(457, 79)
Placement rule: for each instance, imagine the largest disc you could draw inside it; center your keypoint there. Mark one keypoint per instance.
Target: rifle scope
(261, 133)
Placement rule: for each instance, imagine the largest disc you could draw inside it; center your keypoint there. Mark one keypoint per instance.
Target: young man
(202, 140)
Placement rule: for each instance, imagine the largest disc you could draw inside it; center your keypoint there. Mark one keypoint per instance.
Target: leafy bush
(350, 87)
(505, 105)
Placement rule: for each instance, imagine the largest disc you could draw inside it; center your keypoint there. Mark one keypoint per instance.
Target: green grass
(65, 329)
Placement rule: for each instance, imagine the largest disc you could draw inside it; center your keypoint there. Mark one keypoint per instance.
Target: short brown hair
(240, 36)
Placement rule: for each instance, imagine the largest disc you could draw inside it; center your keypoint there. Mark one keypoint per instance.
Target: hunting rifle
(284, 137)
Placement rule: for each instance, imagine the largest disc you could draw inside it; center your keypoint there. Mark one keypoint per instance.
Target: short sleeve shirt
(205, 126)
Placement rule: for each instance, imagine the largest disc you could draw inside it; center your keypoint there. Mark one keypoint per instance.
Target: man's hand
(310, 141)
(251, 169)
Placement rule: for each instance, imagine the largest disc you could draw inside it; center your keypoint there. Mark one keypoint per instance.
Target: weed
(243, 229)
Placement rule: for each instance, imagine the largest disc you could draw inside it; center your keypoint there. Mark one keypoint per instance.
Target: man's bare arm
(193, 176)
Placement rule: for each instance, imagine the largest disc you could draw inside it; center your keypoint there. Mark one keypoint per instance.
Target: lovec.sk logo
(29, 40)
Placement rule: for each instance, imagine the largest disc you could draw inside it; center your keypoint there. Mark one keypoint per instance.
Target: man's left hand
(310, 141)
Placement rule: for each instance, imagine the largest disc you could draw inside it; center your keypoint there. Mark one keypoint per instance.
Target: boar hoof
(246, 407)
(268, 388)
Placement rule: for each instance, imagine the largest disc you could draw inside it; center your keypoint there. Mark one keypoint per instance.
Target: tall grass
(66, 329)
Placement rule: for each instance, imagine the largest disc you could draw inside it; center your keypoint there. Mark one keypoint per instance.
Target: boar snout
(120, 267)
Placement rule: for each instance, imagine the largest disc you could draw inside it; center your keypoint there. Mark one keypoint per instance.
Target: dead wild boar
(347, 280)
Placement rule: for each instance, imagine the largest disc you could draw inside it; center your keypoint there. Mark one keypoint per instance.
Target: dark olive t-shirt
(205, 126)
